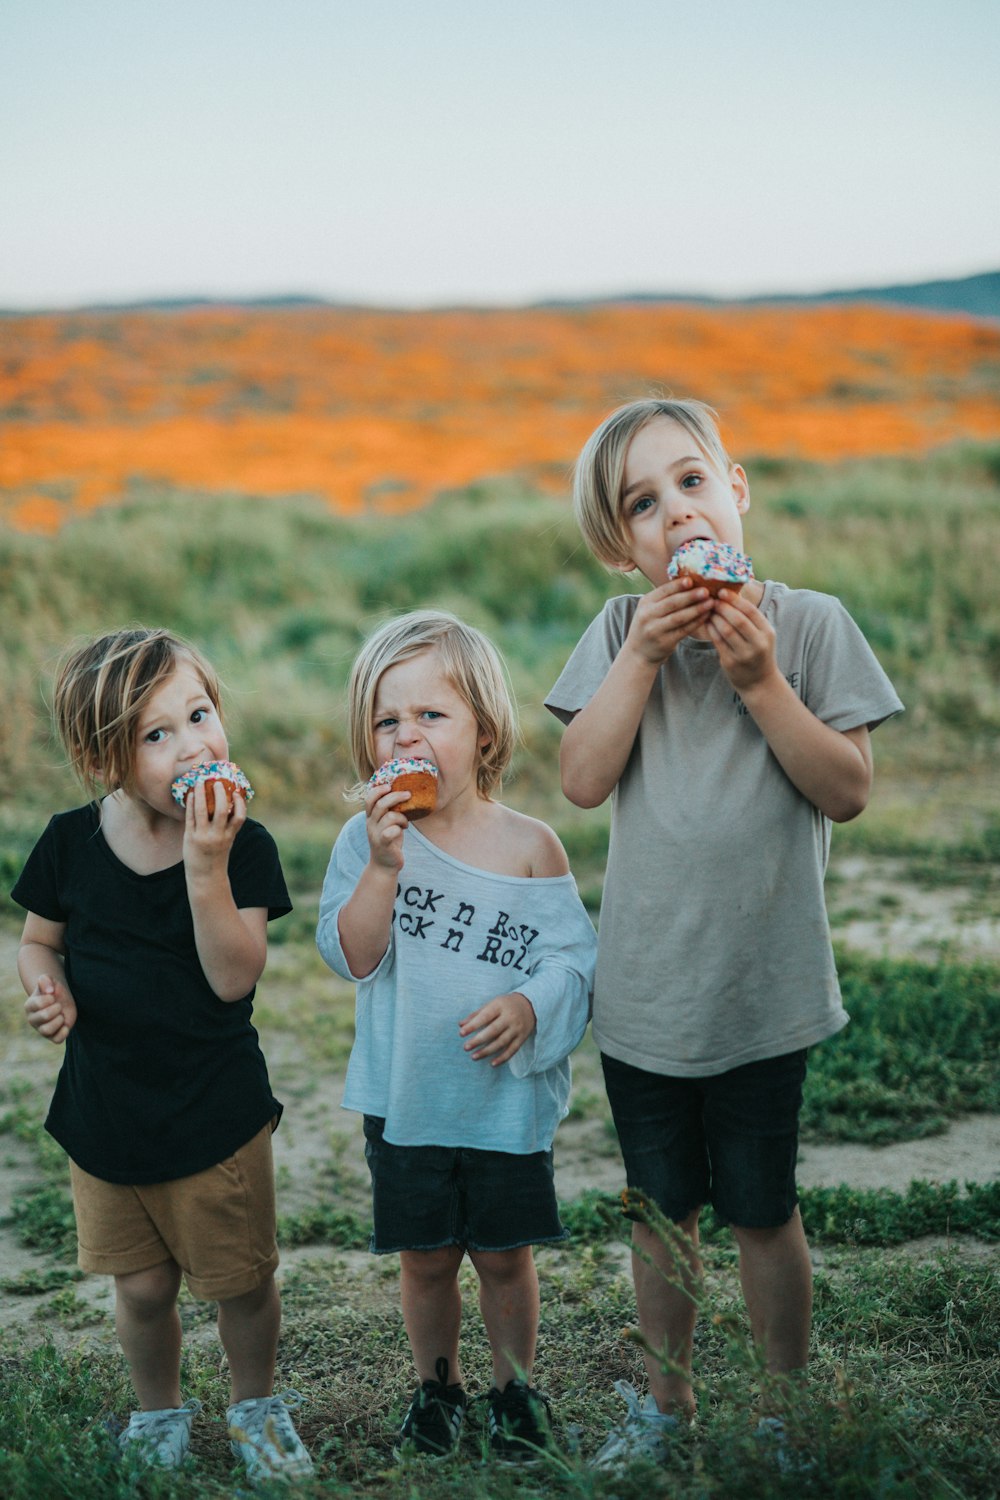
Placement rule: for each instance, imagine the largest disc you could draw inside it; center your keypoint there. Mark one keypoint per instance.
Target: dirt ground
(319, 1147)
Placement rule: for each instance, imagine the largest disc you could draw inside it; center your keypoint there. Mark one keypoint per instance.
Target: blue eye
(154, 736)
(691, 481)
(641, 505)
(432, 713)
(384, 724)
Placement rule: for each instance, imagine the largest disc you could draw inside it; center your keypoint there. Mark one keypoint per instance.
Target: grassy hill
(280, 595)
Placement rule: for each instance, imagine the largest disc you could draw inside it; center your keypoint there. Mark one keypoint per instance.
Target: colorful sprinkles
(710, 560)
(387, 773)
(210, 770)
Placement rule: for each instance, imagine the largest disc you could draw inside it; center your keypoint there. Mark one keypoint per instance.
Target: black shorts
(426, 1197)
(730, 1140)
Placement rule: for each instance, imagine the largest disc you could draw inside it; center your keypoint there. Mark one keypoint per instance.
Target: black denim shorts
(730, 1140)
(425, 1197)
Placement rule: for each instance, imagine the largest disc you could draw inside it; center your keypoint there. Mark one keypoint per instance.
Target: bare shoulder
(539, 849)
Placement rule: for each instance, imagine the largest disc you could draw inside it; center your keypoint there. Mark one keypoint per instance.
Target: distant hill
(978, 296)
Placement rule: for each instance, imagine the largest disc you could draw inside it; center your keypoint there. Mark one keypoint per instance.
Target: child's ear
(628, 566)
(741, 488)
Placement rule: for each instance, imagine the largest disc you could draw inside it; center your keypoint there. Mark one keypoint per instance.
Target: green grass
(899, 1402)
(280, 595)
(904, 1366)
(920, 1049)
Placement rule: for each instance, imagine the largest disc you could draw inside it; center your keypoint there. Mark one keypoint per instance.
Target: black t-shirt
(161, 1078)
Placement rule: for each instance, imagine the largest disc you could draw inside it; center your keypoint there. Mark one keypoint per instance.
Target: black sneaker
(434, 1420)
(520, 1423)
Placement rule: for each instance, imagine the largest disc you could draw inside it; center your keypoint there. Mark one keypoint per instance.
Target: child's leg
(149, 1331)
(666, 1283)
(660, 1129)
(248, 1328)
(752, 1116)
(432, 1307)
(776, 1274)
(508, 1299)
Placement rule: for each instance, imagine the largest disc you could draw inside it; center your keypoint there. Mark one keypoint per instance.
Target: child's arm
(830, 767)
(364, 922)
(231, 940)
(552, 1011)
(50, 1008)
(598, 741)
(499, 1028)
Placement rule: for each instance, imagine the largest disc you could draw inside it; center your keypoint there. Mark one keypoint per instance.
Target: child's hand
(208, 840)
(499, 1028)
(665, 616)
(51, 1009)
(385, 826)
(744, 640)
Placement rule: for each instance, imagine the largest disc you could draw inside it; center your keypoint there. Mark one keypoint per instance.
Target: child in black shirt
(144, 940)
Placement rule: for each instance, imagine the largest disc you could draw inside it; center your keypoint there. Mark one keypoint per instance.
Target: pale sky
(405, 153)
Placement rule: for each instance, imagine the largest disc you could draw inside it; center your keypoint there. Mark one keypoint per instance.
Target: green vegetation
(921, 1048)
(873, 1420)
(905, 1365)
(280, 594)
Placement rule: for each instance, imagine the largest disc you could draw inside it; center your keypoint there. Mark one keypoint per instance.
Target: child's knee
(789, 1236)
(254, 1300)
(431, 1266)
(149, 1292)
(504, 1267)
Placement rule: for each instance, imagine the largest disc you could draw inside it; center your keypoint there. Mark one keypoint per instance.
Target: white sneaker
(160, 1438)
(263, 1435)
(773, 1439)
(645, 1432)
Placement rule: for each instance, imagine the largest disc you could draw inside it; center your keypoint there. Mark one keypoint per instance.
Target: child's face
(417, 713)
(179, 727)
(672, 493)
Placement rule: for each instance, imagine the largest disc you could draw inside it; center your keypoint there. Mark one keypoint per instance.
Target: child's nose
(679, 508)
(192, 743)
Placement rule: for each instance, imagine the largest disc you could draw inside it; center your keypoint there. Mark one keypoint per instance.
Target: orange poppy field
(383, 410)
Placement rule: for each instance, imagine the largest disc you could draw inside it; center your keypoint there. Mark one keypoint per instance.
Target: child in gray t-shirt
(729, 732)
(473, 958)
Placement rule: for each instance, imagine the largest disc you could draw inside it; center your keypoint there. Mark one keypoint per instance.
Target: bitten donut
(230, 776)
(712, 565)
(418, 777)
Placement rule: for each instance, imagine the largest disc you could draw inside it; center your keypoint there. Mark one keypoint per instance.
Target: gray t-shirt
(714, 945)
(461, 936)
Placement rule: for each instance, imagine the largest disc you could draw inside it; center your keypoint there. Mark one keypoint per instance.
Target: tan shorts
(218, 1225)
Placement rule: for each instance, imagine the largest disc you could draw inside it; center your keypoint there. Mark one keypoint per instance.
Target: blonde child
(729, 734)
(145, 937)
(473, 958)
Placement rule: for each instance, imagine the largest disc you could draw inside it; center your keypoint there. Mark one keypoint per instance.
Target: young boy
(729, 732)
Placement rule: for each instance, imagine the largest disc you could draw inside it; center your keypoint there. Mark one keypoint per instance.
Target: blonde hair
(473, 667)
(102, 689)
(599, 475)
